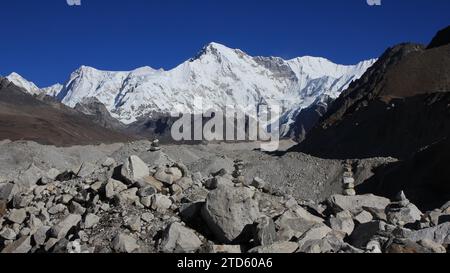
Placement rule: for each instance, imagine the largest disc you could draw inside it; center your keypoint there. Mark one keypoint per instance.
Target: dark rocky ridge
(98, 113)
(308, 118)
(24, 117)
(442, 38)
(404, 94)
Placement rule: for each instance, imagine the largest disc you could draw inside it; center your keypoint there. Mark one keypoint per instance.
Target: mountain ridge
(217, 74)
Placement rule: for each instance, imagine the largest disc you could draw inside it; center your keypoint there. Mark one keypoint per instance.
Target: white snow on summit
(219, 75)
(21, 82)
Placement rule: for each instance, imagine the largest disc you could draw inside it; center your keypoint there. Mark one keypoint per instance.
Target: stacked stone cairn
(238, 177)
(348, 180)
(155, 146)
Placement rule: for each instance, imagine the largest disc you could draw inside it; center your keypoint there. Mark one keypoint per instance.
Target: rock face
(179, 239)
(230, 212)
(134, 169)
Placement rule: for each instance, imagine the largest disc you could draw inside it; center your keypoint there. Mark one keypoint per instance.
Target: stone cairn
(348, 180)
(238, 177)
(155, 146)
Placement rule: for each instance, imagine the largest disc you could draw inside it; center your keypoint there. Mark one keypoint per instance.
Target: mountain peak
(217, 49)
(21, 82)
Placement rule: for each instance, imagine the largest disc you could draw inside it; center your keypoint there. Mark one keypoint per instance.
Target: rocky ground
(221, 198)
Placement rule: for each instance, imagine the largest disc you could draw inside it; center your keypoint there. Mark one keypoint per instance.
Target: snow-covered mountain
(218, 75)
(21, 82)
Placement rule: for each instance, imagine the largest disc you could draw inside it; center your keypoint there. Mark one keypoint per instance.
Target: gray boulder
(91, 220)
(230, 213)
(123, 243)
(403, 212)
(8, 234)
(356, 204)
(160, 203)
(17, 216)
(60, 230)
(21, 246)
(134, 169)
(114, 187)
(276, 248)
(318, 232)
(265, 233)
(292, 226)
(30, 177)
(168, 175)
(439, 234)
(179, 239)
(343, 222)
(363, 217)
(8, 191)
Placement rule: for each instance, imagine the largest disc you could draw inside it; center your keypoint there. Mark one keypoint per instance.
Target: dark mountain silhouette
(401, 105)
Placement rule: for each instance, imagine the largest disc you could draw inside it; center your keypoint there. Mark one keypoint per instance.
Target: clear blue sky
(45, 40)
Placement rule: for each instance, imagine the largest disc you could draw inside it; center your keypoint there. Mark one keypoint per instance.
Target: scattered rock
(291, 226)
(224, 249)
(56, 209)
(259, 183)
(30, 177)
(318, 232)
(21, 246)
(85, 169)
(179, 239)
(60, 230)
(438, 234)
(160, 203)
(52, 174)
(276, 248)
(17, 216)
(76, 208)
(128, 196)
(8, 234)
(3, 208)
(134, 224)
(168, 175)
(363, 217)
(41, 235)
(406, 247)
(114, 187)
(432, 246)
(109, 163)
(265, 232)
(147, 191)
(152, 182)
(356, 204)
(91, 220)
(123, 243)
(230, 213)
(147, 217)
(185, 183)
(7, 191)
(134, 169)
(343, 222)
(402, 212)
